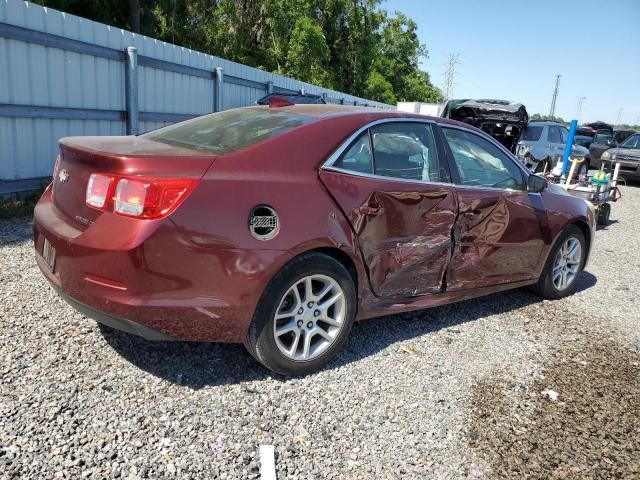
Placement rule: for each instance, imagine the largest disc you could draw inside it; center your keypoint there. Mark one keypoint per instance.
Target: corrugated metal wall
(51, 62)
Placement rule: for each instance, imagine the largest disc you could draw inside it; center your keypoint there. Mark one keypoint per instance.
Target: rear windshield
(228, 131)
(532, 133)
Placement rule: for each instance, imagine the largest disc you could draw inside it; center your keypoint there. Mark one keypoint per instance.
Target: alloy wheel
(567, 264)
(309, 317)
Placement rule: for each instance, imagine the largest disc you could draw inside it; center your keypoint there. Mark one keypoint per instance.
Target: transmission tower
(449, 75)
(552, 111)
(579, 112)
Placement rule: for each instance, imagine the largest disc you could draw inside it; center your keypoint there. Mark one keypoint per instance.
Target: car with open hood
(502, 119)
(279, 226)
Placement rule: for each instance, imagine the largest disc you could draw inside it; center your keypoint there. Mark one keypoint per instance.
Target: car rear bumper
(122, 324)
(146, 278)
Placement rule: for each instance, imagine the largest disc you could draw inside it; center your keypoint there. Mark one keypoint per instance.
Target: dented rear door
(403, 218)
(404, 230)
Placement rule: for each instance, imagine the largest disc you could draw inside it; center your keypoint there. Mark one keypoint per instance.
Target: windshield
(532, 134)
(230, 130)
(602, 138)
(583, 140)
(631, 141)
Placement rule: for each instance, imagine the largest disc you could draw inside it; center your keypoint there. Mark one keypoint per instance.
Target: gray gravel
(77, 400)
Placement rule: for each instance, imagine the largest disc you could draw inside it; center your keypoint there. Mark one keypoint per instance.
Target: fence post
(218, 81)
(131, 89)
(342, 101)
(325, 97)
(269, 87)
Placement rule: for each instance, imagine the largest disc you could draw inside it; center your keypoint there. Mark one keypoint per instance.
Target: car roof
(320, 111)
(546, 122)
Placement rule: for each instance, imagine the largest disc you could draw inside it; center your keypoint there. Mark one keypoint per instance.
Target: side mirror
(536, 183)
(612, 143)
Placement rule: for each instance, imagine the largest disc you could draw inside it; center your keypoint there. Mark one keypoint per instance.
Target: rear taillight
(140, 197)
(98, 190)
(131, 196)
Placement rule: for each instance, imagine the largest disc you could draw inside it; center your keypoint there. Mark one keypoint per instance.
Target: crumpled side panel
(406, 244)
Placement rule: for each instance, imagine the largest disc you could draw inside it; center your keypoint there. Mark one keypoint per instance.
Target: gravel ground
(441, 393)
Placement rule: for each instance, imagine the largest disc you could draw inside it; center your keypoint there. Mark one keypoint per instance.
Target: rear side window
(228, 131)
(532, 134)
(554, 135)
(358, 157)
(407, 151)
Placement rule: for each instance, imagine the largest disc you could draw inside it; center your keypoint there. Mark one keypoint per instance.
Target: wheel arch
(586, 231)
(342, 257)
(580, 223)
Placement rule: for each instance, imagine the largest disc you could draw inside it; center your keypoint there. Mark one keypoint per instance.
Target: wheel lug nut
(316, 313)
(300, 311)
(310, 304)
(309, 325)
(300, 323)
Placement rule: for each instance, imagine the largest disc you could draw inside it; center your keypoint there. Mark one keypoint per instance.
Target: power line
(579, 111)
(552, 111)
(449, 75)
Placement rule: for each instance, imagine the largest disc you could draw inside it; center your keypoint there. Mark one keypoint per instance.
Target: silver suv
(541, 146)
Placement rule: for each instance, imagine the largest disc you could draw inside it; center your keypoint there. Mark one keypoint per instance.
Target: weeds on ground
(19, 206)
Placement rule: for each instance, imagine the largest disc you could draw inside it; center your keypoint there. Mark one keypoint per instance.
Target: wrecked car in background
(542, 145)
(502, 119)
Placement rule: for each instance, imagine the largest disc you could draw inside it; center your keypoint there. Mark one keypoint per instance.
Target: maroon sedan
(278, 226)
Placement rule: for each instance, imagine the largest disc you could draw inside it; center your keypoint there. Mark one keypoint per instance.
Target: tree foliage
(349, 45)
(550, 118)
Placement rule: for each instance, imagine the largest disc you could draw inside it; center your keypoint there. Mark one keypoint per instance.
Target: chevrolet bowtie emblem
(63, 176)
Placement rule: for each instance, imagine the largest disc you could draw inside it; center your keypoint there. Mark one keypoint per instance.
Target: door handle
(473, 213)
(370, 209)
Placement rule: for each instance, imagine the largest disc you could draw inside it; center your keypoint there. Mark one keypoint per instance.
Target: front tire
(304, 316)
(564, 265)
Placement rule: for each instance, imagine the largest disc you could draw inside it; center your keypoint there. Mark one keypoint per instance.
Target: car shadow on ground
(197, 365)
(604, 227)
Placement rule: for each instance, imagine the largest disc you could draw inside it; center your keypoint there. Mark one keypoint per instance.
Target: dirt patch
(592, 429)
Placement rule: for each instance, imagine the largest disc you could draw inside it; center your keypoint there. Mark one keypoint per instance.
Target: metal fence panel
(62, 75)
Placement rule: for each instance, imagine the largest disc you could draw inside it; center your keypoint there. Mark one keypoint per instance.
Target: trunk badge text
(63, 176)
(83, 221)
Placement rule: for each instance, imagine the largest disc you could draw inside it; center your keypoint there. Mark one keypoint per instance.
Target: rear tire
(564, 265)
(583, 169)
(295, 328)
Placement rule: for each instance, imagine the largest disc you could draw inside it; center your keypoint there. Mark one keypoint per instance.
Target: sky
(513, 50)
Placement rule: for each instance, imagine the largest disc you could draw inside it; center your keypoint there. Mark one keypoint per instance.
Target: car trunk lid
(132, 156)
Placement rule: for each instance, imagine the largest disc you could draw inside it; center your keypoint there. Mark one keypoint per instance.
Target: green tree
(349, 45)
(307, 53)
(550, 118)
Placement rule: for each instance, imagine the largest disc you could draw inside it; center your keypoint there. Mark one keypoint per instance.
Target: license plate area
(49, 254)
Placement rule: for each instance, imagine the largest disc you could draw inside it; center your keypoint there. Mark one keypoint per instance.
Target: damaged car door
(395, 189)
(497, 235)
